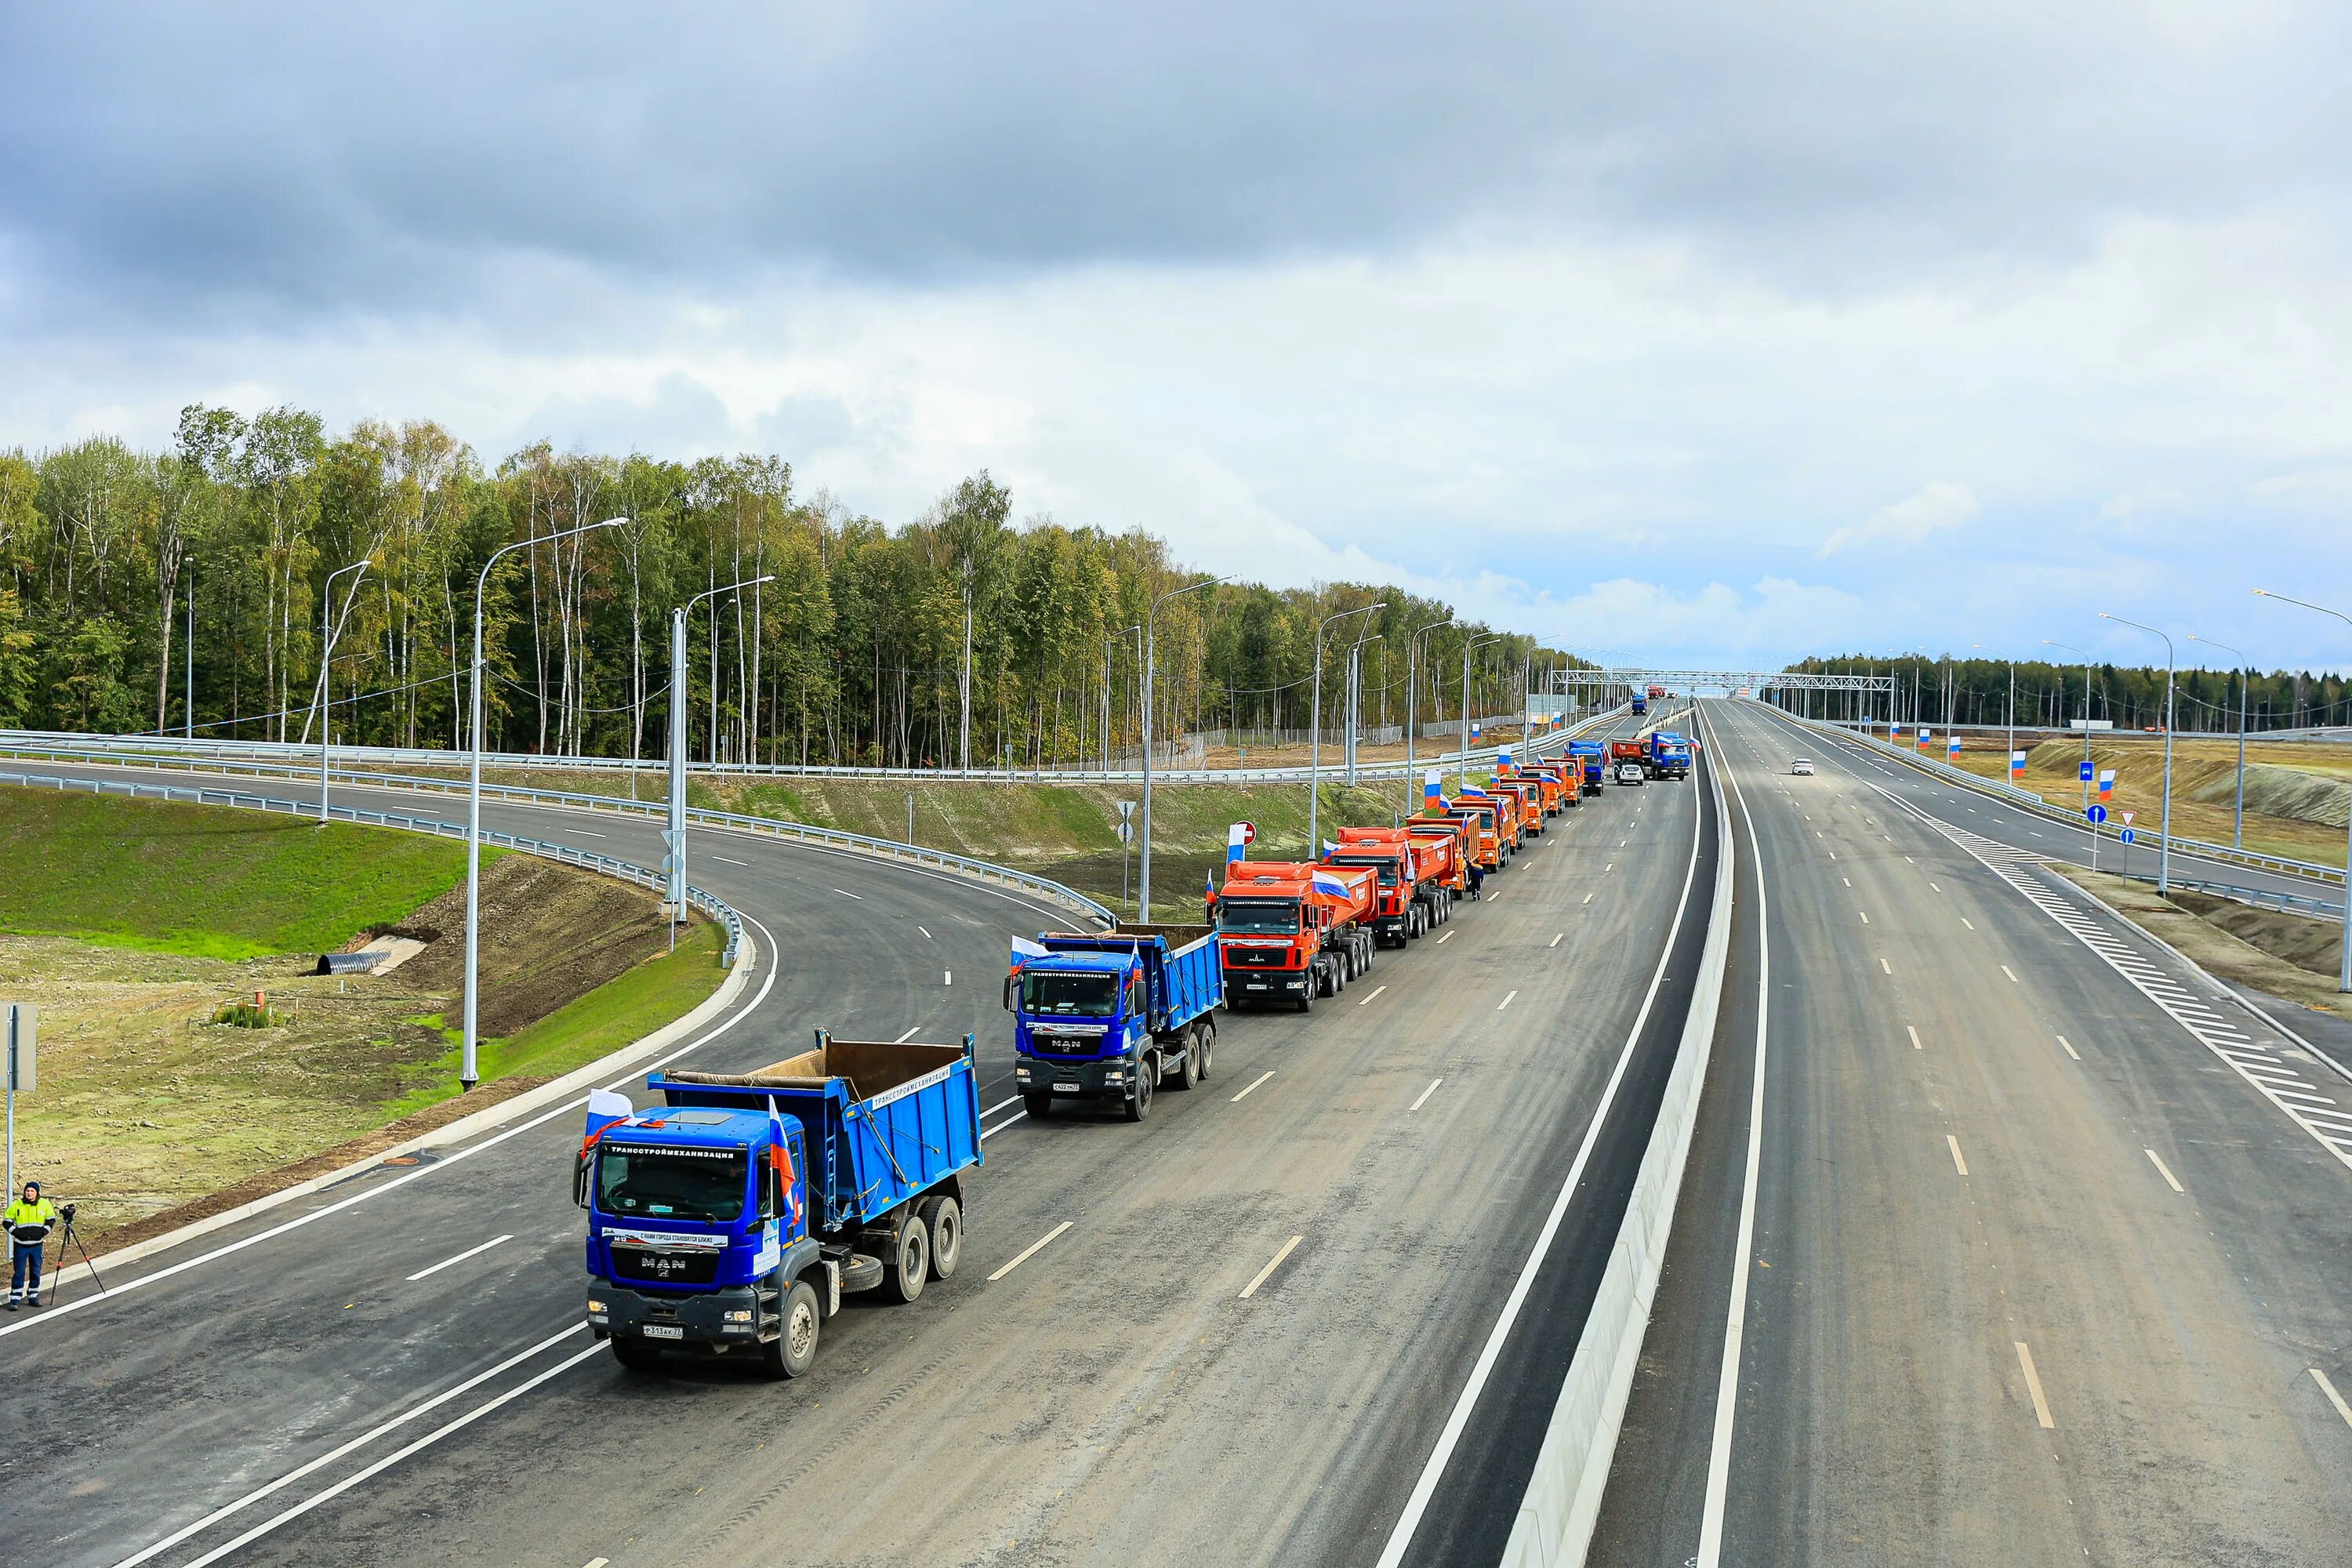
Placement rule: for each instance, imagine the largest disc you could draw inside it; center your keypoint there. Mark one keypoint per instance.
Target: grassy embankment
(132, 922)
(2289, 956)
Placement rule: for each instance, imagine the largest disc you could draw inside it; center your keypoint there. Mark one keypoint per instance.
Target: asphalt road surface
(2037, 1250)
(395, 1370)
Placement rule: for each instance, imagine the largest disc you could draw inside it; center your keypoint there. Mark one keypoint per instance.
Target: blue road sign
(2096, 814)
(2126, 836)
(2086, 773)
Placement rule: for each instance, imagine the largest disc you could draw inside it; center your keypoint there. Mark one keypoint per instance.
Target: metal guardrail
(2027, 800)
(2258, 897)
(716, 908)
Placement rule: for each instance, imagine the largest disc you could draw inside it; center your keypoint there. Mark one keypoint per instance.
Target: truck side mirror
(1008, 992)
(772, 1193)
(580, 1165)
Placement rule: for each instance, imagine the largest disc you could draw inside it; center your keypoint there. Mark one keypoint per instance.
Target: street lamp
(1315, 732)
(2344, 966)
(1412, 655)
(1108, 643)
(2238, 826)
(674, 829)
(2070, 648)
(1467, 645)
(1356, 697)
(2164, 850)
(466, 1074)
(1143, 876)
(2009, 761)
(326, 651)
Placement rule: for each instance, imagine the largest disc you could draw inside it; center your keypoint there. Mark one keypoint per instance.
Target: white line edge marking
(1030, 1251)
(908, 1036)
(1958, 1164)
(1425, 1093)
(1016, 1116)
(1264, 1274)
(62, 1309)
(993, 1109)
(2334, 1398)
(2165, 1170)
(2033, 1386)
(1417, 1502)
(1735, 1330)
(1261, 1078)
(469, 1252)
(1506, 1001)
(1373, 997)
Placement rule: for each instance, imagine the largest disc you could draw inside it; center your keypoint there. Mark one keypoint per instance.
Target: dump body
(1406, 898)
(1094, 1013)
(704, 1214)
(1483, 821)
(1448, 839)
(1628, 751)
(1292, 931)
(1641, 705)
(1526, 799)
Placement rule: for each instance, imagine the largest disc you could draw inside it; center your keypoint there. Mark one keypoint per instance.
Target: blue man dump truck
(1669, 756)
(731, 1221)
(1111, 1015)
(1641, 705)
(1594, 756)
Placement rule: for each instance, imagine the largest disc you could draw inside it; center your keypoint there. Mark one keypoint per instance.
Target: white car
(1629, 773)
(1802, 765)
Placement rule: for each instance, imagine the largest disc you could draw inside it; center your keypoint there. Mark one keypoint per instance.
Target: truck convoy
(1111, 1015)
(731, 1222)
(1290, 931)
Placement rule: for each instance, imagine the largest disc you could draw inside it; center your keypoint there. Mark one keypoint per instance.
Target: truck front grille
(654, 1268)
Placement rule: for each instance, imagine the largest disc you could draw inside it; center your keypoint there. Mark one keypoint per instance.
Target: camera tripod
(73, 1236)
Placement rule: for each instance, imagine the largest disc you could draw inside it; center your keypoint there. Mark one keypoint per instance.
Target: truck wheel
(1307, 992)
(1139, 1105)
(1187, 1062)
(794, 1349)
(910, 1264)
(635, 1353)
(1037, 1102)
(943, 1217)
(1208, 1048)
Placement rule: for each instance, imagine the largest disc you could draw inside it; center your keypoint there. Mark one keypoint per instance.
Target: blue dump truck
(731, 1221)
(1111, 1015)
(1641, 705)
(1669, 755)
(1594, 756)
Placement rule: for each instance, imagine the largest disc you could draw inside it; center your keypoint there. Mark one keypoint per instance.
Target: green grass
(629, 1006)
(205, 881)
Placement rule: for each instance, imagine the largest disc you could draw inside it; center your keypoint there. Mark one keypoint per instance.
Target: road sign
(21, 1021)
(2127, 817)
(2096, 814)
(2126, 836)
(1249, 832)
(2086, 772)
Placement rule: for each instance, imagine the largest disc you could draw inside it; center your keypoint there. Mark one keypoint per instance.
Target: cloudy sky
(1698, 332)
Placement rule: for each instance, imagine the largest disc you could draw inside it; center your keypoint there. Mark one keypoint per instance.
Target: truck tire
(1188, 1061)
(943, 1217)
(1138, 1105)
(1307, 992)
(635, 1353)
(794, 1349)
(1038, 1102)
(1208, 1047)
(908, 1266)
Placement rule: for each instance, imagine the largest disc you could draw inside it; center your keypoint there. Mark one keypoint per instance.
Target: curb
(739, 976)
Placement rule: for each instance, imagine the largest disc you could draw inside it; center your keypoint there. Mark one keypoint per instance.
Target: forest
(188, 590)
(1976, 691)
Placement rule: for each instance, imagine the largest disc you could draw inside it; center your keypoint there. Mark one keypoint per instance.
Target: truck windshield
(1070, 995)
(1261, 917)
(672, 1184)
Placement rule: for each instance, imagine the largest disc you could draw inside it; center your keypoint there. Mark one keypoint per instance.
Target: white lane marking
(1444, 938)
(1425, 1093)
(1865, 914)
(1886, 967)
(1968, 923)
(1958, 1164)
(469, 1252)
(1609, 867)
(1028, 1252)
(1620, 843)
(1915, 1038)
(2070, 1049)
(724, 861)
(370, 1435)
(125, 1287)
(2165, 1170)
(1261, 1078)
(1833, 854)
(1492, 897)
(1016, 1116)
(598, 1562)
(2032, 1381)
(1588, 897)
(1847, 880)
(1373, 997)
(586, 834)
(2013, 980)
(845, 893)
(927, 935)
(1424, 1488)
(1275, 1262)
(2334, 1398)
(997, 1106)
(1555, 940)
(1505, 1002)
(947, 976)
(908, 1036)
(1933, 889)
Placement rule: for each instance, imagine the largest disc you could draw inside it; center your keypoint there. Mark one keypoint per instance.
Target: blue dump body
(704, 1214)
(1106, 1014)
(1640, 706)
(1670, 755)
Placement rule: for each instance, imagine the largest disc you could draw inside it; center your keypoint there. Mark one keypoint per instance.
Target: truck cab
(1113, 1015)
(1292, 933)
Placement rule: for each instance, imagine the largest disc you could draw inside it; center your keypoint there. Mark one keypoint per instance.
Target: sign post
(2126, 836)
(21, 1019)
(2094, 815)
(1126, 843)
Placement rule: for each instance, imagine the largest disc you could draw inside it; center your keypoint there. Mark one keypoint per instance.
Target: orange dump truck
(1527, 801)
(1407, 896)
(1290, 931)
(1495, 824)
(1447, 839)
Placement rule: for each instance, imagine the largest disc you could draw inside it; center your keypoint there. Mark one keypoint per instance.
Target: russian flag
(1023, 949)
(1953, 748)
(1926, 735)
(1326, 883)
(1237, 839)
(1503, 762)
(1473, 729)
(2016, 763)
(1472, 791)
(1431, 793)
(2106, 784)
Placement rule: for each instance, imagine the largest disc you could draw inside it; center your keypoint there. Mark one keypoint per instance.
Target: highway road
(395, 1370)
(2005, 1239)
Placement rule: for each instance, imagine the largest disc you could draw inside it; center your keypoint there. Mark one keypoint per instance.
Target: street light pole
(674, 829)
(326, 652)
(1143, 874)
(1315, 732)
(1467, 645)
(2237, 821)
(467, 1068)
(1355, 699)
(188, 718)
(1412, 692)
(2164, 850)
(2344, 964)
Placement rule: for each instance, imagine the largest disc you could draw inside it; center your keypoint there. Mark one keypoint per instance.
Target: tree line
(188, 589)
(1976, 691)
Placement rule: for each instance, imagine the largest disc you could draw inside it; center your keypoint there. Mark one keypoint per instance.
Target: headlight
(737, 1317)
(594, 1305)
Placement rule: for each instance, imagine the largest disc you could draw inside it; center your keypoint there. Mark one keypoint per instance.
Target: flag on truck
(779, 1158)
(1326, 883)
(1238, 838)
(1023, 949)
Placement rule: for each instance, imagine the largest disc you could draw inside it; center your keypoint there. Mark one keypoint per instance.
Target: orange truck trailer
(1526, 800)
(1566, 777)
(1497, 826)
(1408, 896)
(1290, 932)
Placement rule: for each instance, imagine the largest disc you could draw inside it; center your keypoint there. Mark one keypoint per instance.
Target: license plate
(664, 1332)
(1065, 1088)
(1255, 985)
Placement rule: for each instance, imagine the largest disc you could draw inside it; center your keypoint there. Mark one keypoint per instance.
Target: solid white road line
(1028, 1252)
(586, 834)
(1425, 1093)
(845, 893)
(1444, 938)
(2333, 1397)
(2033, 1386)
(1275, 1262)
(469, 1252)
(1958, 1164)
(1016, 1116)
(908, 1036)
(2165, 1170)
(2070, 1049)
(1915, 1038)
(1260, 1078)
(1505, 1002)
(1373, 997)
(2013, 980)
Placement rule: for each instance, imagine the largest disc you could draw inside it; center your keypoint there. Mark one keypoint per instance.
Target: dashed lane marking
(1915, 1038)
(1271, 1264)
(1505, 1002)
(1425, 1093)
(469, 1252)
(2070, 1049)
(1886, 967)
(2034, 1388)
(2164, 1169)
(1028, 1252)
(845, 893)
(2013, 980)
(2334, 1398)
(1445, 938)
(1958, 1164)
(1260, 1078)
(1373, 997)
(1555, 941)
